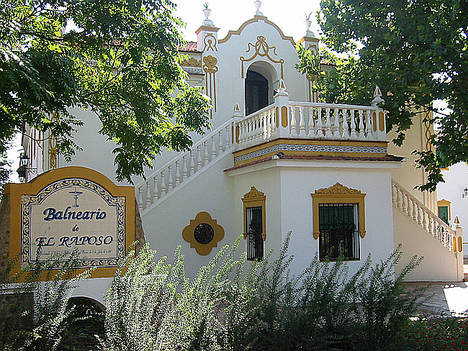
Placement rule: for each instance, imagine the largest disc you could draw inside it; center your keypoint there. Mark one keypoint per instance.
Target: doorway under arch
(259, 81)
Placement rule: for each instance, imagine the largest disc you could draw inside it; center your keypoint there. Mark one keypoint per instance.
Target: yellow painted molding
(338, 194)
(460, 244)
(206, 29)
(189, 233)
(254, 198)
(284, 116)
(15, 192)
(253, 20)
(191, 62)
(312, 142)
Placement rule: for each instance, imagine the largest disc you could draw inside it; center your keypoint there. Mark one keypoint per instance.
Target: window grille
(339, 234)
(254, 233)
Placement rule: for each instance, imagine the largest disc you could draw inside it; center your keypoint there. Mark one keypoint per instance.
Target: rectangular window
(254, 222)
(339, 231)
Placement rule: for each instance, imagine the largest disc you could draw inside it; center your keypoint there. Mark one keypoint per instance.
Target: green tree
(116, 58)
(416, 51)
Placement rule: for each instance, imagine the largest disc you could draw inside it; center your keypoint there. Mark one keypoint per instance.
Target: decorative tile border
(311, 148)
(27, 201)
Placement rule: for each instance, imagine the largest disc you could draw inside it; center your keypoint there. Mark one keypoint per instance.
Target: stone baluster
(227, 133)
(163, 184)
(220, 142)
(345, 124)
(170, 184)
(199, 158)
(369, 130)
(301, 121)
(148, 195)
(177, 173)
(213, 148)
(192, 163)
(310, 122)
(156, 189)
(140, 198)
(319, 125)
(353, 134)
(362, 134)
(328, 132)
(184, 167)
(205, 153)
(293, 121)
(336, 123)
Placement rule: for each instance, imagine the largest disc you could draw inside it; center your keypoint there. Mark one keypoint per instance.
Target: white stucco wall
(210, 191)
(438, 263)
(288, 186)
(456, 180)
(297, 185)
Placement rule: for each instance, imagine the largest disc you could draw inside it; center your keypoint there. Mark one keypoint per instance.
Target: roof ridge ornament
(308, 23)
(377, 97)
(258, 4)
(207, 13)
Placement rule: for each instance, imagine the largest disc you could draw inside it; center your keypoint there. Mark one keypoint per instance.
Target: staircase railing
(422, 216)
(183, 167)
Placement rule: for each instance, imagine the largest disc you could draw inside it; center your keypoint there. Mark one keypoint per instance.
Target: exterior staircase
(183, 168)
(418, 228)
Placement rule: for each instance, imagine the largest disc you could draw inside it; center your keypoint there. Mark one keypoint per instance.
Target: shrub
(235, 305)
(34, 313)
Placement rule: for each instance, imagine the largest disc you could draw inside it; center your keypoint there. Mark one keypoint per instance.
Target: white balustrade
(335, 121)
(183, 167)
(422, 216)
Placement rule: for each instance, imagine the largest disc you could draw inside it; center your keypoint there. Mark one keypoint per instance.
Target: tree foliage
(115, 58)
(416, 51)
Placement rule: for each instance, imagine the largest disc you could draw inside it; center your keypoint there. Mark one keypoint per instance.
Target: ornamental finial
(377, 97)
(207, 12)
(308, 23)
(258, 4)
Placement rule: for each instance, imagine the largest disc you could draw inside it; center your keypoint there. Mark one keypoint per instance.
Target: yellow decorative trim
(338, 194)
(312, 142)
(446, 203)
(460, 244)
(254, 198)
(454, 244)
(206, 29)
(284, 116)
(192, 62)
(262, 49)
(209, 66)
(43, 180)
(381, 121)
(209, 42)
(374, 121)
(253, 20)
(189, 233)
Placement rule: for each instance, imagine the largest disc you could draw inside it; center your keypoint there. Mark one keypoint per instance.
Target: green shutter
(444, 214)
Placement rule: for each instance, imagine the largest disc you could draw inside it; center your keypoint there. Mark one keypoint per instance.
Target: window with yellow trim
(339, 222)
(254, 223)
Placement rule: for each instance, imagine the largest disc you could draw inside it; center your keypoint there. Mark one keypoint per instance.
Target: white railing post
(237, 131)
(458, 247)
(282, 110)
(380, 115)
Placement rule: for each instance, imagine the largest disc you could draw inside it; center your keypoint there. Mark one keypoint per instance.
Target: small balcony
(310, 129)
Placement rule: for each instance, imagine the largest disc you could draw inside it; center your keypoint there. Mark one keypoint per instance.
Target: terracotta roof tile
(190, 46)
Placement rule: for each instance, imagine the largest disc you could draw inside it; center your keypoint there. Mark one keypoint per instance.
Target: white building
(275, 161)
